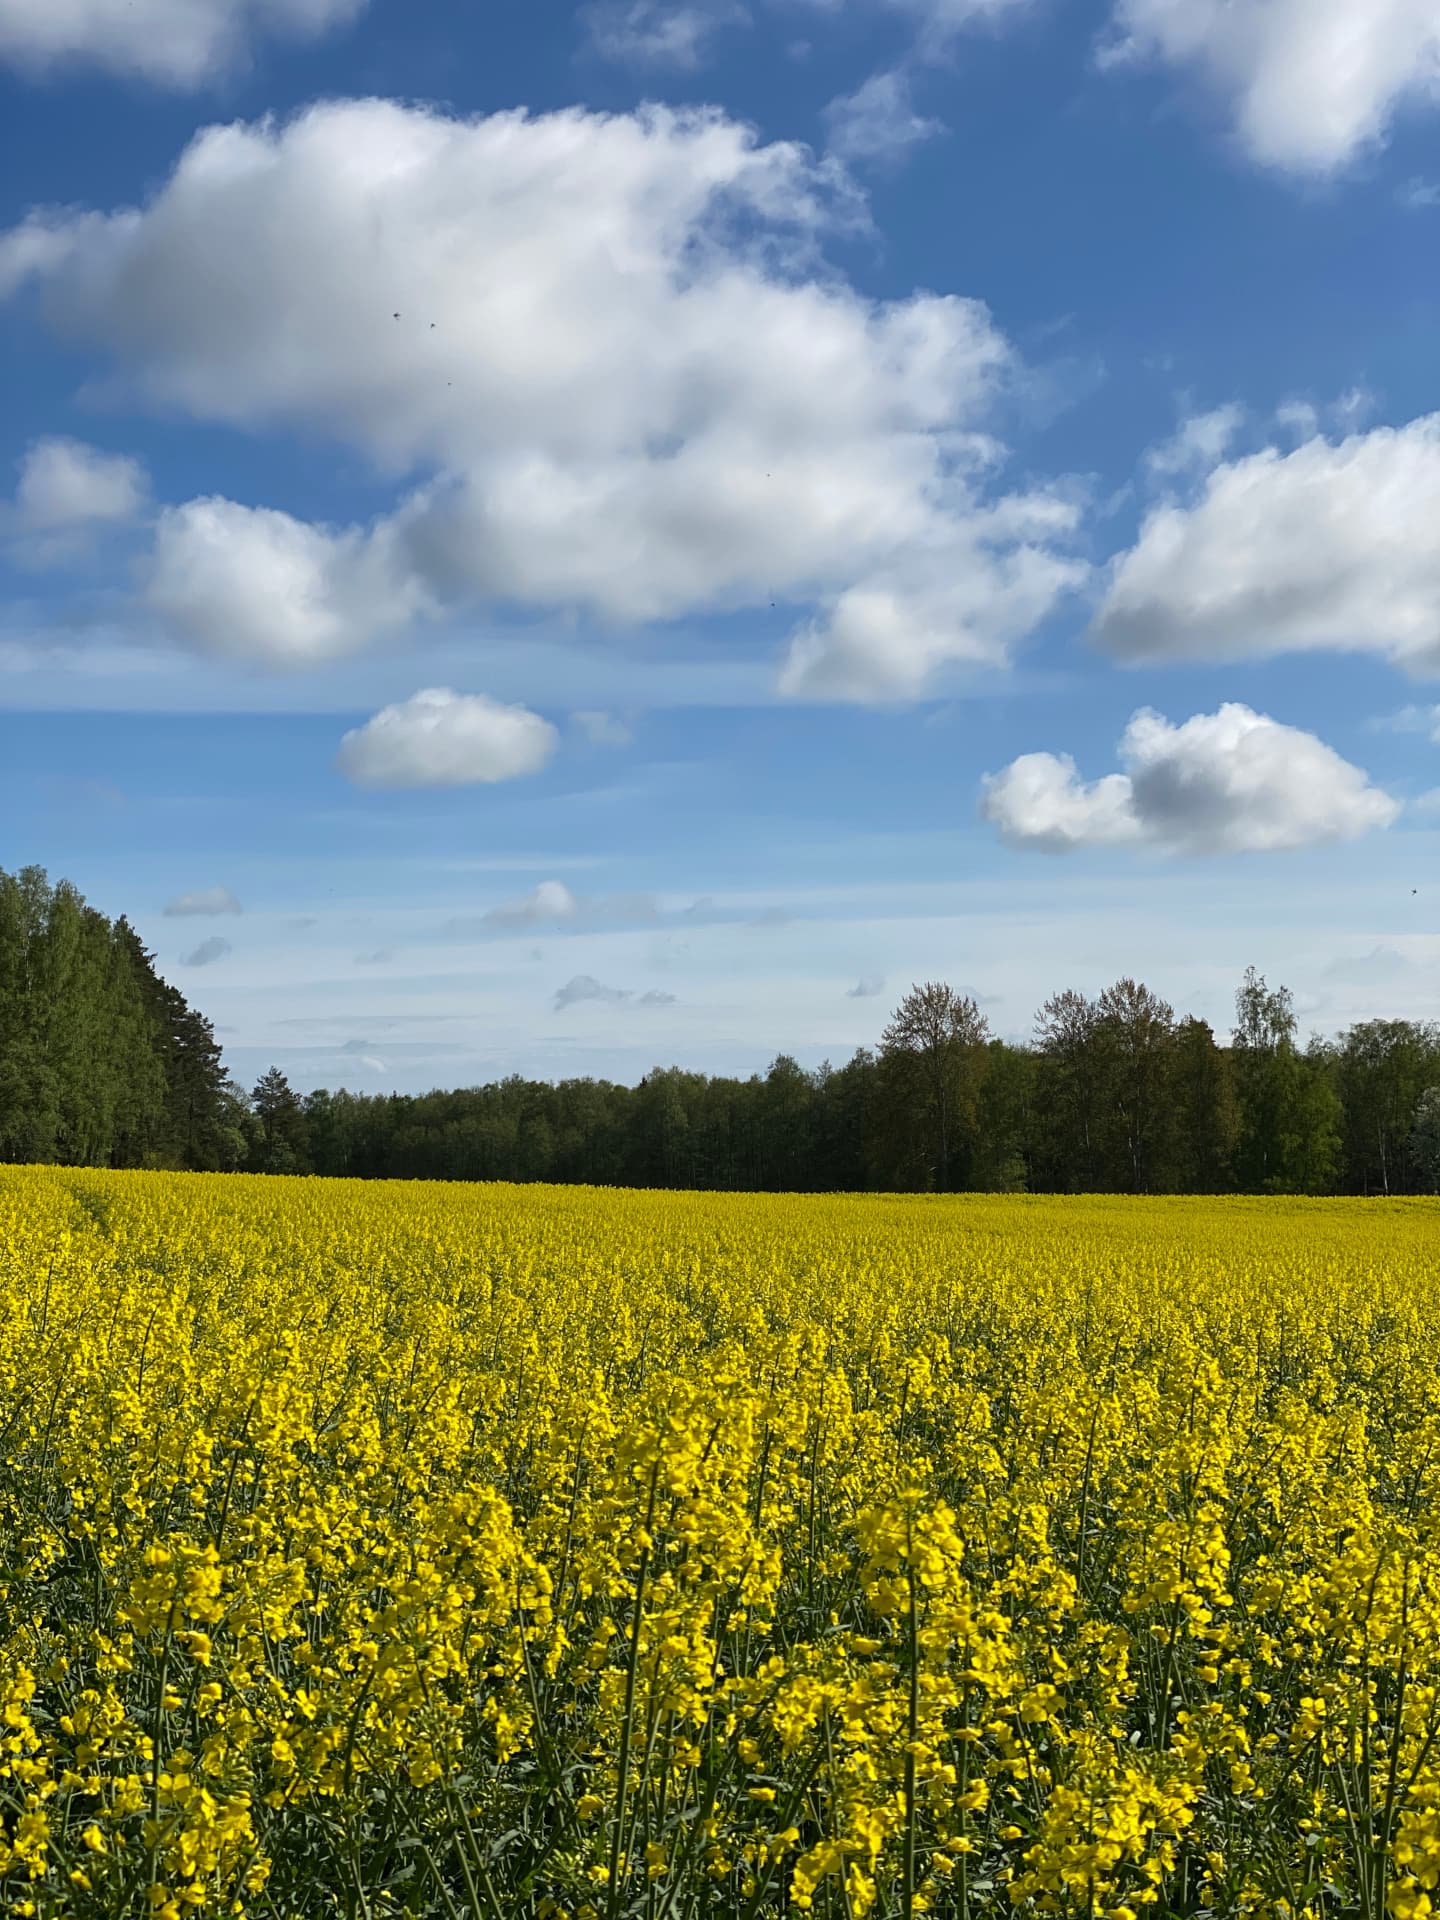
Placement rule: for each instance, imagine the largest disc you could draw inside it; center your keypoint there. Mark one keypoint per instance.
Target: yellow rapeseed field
(546, 1554)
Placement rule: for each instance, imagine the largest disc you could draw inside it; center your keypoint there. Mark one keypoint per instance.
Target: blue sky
(563, 538)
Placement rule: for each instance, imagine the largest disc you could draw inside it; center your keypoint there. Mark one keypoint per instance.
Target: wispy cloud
(878, 124)
(648, 33)
(553, 904)
(549, 902)
(1198, 443)
(207, 903)
(585, 986)
(208, 952)
(603, 729)
(1411, 719)
(867, 987)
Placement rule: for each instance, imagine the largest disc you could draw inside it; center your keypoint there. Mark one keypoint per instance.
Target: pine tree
(282, 1143)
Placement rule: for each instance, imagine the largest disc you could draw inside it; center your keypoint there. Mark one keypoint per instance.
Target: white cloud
(1309, 83)
(1234, 781)
(1418, 194)
(621, 383)
(1354, 407)
(66, 486)
(603, 729)
(176, 43)
(1198, 442)
(1414, 719)
(255, 584)
(681, 33)
(552, 903)
(940, 21)
(437, 738)
(552, 900)
(650, 33)
(1039, 801)
(878, 122)
(208, 952)
(1298, 417)
(208, 902)
(42, 242)
(886, 638)
(585, 987)
(1333, 546)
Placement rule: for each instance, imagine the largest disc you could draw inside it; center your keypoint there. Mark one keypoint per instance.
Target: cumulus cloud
(252, 583)
(174, 43)
(68, 487)
(208, 952)
(1234, 781)
(42, 242)
(585, 986)
(1039, 801)
(867, 987)
(610, 354)
(437, 738)
(878, 122)
(887, 638)
(1308, 84)
(1334, 546)
(206, 902)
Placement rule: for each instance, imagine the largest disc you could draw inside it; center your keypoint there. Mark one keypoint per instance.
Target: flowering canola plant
(554, 1554)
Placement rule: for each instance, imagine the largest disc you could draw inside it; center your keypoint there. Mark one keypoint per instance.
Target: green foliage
(933, 1059)
(1425, 1141)
(280, 1140)
(102, 1063)
(1381, 1069)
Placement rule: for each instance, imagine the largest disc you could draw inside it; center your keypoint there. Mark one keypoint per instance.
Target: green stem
(617, 1844)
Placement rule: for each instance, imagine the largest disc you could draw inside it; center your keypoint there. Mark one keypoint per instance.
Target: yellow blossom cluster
(554, 1554)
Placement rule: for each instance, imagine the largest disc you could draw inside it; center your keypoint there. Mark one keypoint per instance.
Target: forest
(104, 1063)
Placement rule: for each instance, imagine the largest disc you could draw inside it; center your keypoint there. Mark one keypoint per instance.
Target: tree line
(103, 1063)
